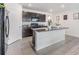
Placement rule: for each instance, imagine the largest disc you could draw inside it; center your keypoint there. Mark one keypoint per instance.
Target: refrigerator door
(6, 24)
(2, 39)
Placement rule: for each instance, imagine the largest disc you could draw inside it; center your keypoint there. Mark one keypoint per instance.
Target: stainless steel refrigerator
(4, 30)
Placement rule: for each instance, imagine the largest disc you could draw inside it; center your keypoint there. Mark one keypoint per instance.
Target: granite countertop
(52, 29)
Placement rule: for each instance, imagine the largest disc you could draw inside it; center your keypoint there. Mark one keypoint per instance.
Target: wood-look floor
(68, 47)
(21, 47)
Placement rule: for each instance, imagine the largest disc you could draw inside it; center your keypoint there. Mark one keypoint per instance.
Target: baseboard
(72, 35)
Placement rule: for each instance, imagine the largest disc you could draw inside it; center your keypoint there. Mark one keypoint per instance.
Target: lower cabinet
(26, 32)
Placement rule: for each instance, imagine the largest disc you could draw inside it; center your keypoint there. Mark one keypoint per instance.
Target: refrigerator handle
(7, 17)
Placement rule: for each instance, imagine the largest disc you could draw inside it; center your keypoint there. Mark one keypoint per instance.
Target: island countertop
(44, 29)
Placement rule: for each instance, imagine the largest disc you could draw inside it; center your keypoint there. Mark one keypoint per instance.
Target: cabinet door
(27, 16)
(42, 18)
(26, 32)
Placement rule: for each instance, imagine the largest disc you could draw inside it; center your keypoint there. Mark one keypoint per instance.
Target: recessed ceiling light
(50, 10)
(62, 6)
(30, 5)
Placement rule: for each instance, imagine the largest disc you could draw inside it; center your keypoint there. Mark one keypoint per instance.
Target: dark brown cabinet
(31, 17)
(26, 32)
(27, 17)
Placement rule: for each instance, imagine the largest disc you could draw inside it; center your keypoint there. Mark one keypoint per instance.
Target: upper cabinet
(33, 17)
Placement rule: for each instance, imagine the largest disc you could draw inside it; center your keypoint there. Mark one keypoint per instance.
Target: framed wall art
(65, 17)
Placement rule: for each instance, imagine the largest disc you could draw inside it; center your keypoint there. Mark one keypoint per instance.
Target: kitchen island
(43, 38)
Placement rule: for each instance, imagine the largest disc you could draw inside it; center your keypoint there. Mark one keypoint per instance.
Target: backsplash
(39, 23)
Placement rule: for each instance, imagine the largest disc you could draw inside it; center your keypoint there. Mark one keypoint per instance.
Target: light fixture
(29, 5)
(62, 6)
(49, 17)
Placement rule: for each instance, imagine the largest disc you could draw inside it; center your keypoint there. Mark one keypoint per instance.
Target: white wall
(71, 23)
(35, 11)
(15, 18)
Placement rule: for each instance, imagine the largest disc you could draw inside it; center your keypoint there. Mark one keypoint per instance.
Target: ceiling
(51, 7)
